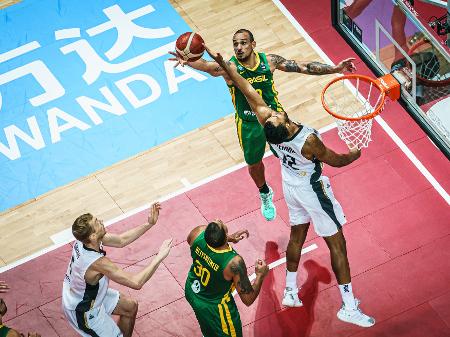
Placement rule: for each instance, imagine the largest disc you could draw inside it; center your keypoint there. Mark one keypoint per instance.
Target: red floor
(398, 242)
(398, 239)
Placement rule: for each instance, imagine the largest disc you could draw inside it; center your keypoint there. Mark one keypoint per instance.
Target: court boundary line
(65, 236)
(391, 133)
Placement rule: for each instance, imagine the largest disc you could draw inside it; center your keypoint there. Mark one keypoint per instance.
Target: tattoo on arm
(317, 68)
(244, 283)
(287, 65)
(219, 69)
(276, 59)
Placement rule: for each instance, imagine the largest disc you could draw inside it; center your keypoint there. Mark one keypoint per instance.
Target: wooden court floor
(164, 169)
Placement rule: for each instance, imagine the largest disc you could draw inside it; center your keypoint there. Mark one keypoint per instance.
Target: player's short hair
(243, 30)
(215, 235)
(81, 228)
(3, 307)
(275, 134)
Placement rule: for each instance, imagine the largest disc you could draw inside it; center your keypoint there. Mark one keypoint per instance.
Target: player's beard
(243, 57)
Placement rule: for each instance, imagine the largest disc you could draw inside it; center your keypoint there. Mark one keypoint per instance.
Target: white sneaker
(290, 298)
(355, 316)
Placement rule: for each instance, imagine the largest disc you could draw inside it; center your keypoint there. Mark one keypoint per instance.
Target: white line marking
(413, 159)
(31, 257)
(68, 33)
(61, 238)
(280, 262)
(185, 182)
(19, 51)
(408, 153)
(302, 31)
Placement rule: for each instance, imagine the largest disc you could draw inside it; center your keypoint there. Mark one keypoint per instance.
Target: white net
(356, 134)
(431, 66)
(355, 99)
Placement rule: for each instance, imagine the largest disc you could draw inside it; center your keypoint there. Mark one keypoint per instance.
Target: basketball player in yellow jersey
(308, 195)
(258, 69)
(216, 271)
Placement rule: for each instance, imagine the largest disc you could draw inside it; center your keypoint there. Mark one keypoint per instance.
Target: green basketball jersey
(205, 278)
(261, 78)
(4, 330)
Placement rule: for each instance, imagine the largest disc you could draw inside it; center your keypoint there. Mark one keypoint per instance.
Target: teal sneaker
(268, 209)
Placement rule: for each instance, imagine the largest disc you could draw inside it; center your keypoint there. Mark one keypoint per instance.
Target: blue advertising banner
(85, 84)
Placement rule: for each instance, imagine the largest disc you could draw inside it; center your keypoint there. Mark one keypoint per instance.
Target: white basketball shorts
(314, 203)
(98, 321)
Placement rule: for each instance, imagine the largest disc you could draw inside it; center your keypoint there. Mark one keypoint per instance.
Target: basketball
(189, 46)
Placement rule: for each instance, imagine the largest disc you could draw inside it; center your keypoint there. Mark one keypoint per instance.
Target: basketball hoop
(354, 100)
(430, 70)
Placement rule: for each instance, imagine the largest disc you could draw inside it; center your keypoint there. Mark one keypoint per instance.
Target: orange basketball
(189, 46)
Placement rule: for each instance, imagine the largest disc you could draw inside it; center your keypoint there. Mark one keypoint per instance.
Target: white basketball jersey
(77, 294)
(296, 169)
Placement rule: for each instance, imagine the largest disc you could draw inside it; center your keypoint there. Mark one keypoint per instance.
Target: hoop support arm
(390, 86)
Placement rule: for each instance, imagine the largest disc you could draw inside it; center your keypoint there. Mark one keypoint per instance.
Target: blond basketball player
(87, 301)
(307, 193)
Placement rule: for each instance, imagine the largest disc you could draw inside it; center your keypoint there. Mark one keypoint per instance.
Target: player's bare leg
(296, 240)
(338, 253)
(349, 311)
(257, 172)
(127, 309)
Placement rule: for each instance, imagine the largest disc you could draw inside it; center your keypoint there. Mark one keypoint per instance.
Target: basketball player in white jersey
(87, 301)
(307, 193)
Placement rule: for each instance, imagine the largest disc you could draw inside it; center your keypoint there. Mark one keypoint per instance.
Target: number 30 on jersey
(202, 272)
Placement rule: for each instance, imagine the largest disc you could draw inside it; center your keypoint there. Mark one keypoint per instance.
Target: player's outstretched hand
(346, 65)
(261, 268)
(355, 153)
(153, 214)
(3, 287)
(238, 236)
(177, 58)
(164, 250)
(215, 56)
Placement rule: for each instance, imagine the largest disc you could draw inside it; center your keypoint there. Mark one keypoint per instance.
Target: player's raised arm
(135, 281)
(310, 68)
(315, 148)
(259, 107)
(238, 236)
(127, 237)
(247, 292)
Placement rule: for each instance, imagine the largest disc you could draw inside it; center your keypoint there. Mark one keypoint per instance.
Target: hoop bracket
(390, 86)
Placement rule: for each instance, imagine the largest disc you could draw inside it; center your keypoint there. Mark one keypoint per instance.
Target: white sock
(347, 296)
(291, 279)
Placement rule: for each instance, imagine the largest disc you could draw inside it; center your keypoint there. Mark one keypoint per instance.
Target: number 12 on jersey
(289, 161)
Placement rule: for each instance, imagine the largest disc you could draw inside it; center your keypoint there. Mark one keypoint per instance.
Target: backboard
(393, 34)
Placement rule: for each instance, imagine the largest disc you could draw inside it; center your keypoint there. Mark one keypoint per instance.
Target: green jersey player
(258, 68)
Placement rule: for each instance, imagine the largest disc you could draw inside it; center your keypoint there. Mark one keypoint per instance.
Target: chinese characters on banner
(101, 91)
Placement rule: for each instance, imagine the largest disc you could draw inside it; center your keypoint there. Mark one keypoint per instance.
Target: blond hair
(81, 228)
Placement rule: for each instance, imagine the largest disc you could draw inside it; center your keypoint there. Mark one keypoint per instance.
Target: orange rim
(430, 83)
(363, 78)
